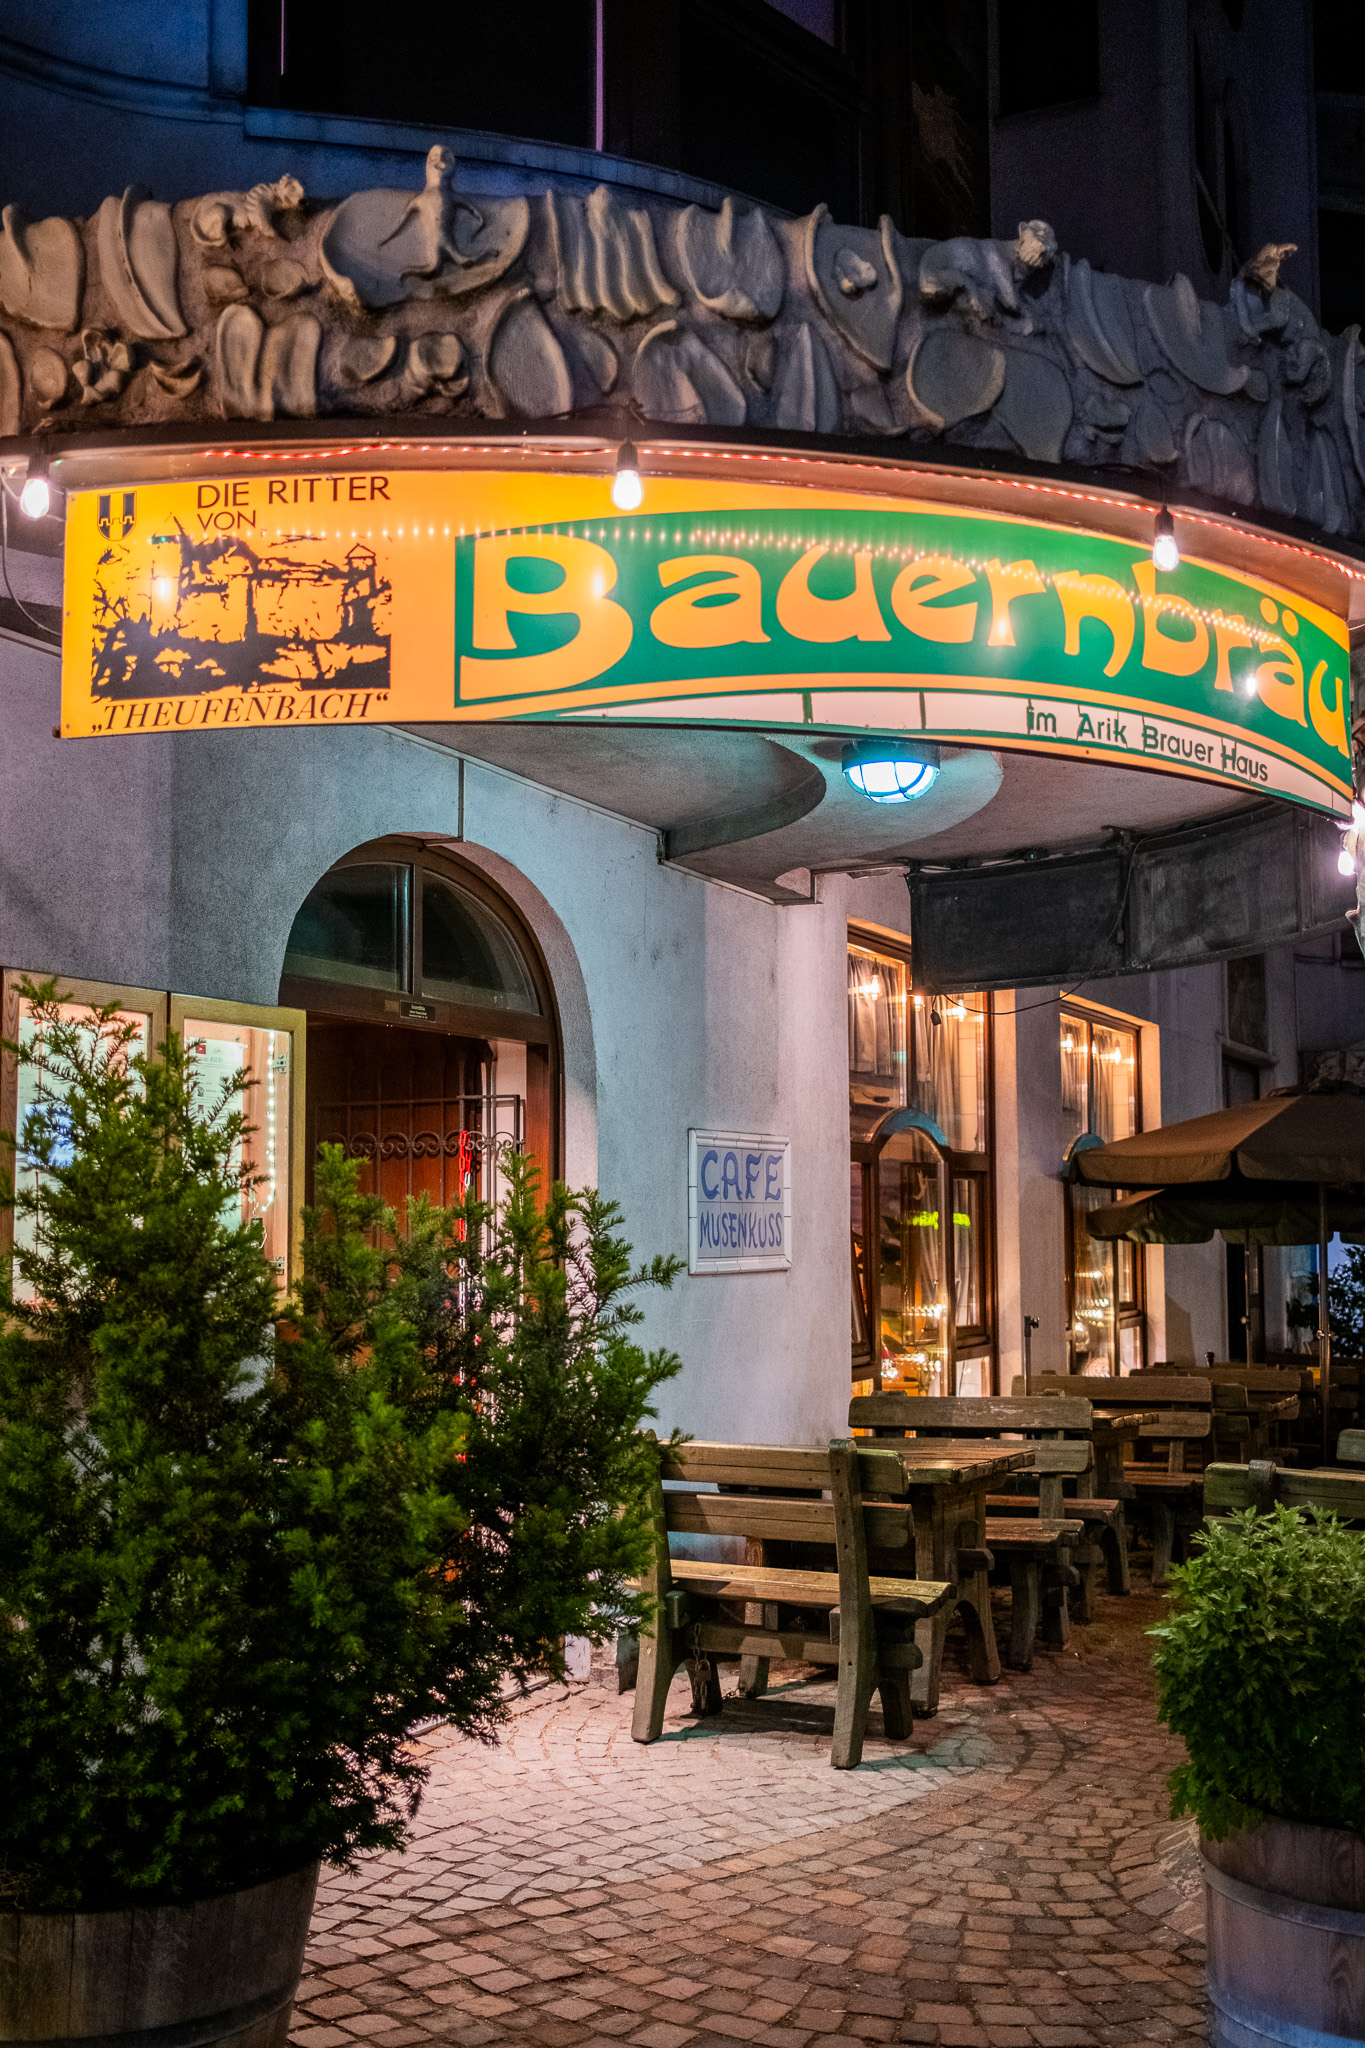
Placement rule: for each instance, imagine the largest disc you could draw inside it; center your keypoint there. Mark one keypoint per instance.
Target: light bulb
(627, 491)
(35, 499)
(887, 772)
(1165, 552)
(1345, 863)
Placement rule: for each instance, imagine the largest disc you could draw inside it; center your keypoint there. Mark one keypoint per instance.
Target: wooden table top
(946, 1461)
(1121, 1422)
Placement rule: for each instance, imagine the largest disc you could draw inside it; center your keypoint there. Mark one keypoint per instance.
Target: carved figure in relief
(984, 277)
(104, 367)
(434, 209)
(716, 316)
(220, 212)
(383, 247)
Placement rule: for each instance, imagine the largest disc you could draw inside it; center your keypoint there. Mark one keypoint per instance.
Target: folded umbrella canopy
(1289, 1169)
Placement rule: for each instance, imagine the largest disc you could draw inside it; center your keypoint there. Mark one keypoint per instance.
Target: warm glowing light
(35, 499)
(1165, 551)
(1345, 862)
(870, 989)
(164, 588)
(959, 1010)
(627, 490)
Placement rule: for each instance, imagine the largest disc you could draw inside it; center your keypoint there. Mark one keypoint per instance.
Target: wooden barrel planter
(218, 1974)
(1286, 1936)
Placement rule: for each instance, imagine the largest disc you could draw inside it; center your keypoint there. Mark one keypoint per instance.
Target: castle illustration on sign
(221, 614)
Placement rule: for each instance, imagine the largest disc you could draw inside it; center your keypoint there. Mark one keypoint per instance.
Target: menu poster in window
(218, 1051)
(739, 1204)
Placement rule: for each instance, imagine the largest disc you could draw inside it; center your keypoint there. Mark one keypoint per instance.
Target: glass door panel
(1093, 1319)
(911, 1275)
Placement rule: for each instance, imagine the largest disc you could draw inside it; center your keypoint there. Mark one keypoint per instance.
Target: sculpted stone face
(267, 304)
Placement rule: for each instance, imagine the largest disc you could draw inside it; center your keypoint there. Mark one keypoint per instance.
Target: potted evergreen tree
(243, 1552)
(1261, 1668)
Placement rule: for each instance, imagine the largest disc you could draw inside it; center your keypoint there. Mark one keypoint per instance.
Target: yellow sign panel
(297, 595)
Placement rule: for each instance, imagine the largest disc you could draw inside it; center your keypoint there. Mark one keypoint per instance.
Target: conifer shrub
(1261, 1668)
(243, 1549)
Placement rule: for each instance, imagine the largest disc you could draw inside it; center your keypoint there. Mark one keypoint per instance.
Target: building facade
(332, 382)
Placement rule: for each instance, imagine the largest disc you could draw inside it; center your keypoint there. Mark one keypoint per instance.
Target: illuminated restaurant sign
(313, 597)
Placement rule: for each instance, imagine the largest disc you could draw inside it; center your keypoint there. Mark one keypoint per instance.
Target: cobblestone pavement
(1007, 1877)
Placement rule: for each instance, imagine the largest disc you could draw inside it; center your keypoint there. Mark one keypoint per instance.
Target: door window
(1106, 1317)
(923, 1312)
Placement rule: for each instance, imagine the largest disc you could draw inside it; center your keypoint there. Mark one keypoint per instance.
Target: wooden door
(417, 1106)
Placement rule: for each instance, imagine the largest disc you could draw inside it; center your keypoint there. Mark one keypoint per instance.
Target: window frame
(1125, 1315)
(966, 1341)
(265, 1017)
(358, 1004)
(166, 1012)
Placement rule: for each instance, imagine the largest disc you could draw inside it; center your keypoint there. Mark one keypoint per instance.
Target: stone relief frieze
(273, 304)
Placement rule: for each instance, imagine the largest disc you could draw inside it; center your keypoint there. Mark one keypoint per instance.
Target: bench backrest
(1260, 1379)
(930, 1415)
(788, 1494)
(1233, 1487)
(1131, 1390)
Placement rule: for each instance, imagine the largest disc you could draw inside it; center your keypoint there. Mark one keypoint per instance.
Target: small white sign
(739, 1202)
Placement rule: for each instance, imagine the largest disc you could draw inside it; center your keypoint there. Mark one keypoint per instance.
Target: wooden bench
(1035, 1552)
(862, 1623)
(1264, 1484)
(1103, 1521)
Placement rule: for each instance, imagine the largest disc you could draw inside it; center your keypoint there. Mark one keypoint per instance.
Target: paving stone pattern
(1007, 1877)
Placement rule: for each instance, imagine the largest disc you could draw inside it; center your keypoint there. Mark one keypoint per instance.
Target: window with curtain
(921, 1213)
(1106, 1308)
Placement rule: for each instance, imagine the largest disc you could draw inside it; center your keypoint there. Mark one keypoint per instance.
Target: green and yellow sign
(311, 597)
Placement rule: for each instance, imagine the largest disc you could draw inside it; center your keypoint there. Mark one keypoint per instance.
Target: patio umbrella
(1243, 1212)
(1257, 1172)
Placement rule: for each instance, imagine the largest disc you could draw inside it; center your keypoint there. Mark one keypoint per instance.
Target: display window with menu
(244, 1058)
(921, 1206)
(1105, 1281)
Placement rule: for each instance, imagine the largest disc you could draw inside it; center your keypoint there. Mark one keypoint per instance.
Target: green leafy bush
(1261, 1668)
(238, 1560)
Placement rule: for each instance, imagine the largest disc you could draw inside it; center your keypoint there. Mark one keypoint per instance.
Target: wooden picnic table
(946, 1482)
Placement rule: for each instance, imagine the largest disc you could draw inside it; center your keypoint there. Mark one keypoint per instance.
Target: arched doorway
(432, 1037)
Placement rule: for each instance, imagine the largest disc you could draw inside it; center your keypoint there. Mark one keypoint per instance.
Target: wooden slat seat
(784, 1494)
(1104, 1522)
(1035, 1553)
(917, 1598)
(1175, 1501)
